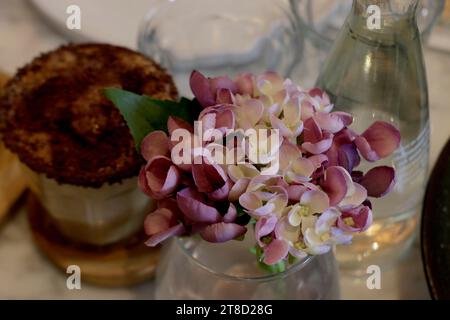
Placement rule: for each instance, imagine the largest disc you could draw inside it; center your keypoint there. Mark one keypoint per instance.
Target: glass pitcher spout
(384, 19)
(397, 8)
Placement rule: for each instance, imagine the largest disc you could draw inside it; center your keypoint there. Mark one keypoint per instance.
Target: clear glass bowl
(191, 268)
(220, 37)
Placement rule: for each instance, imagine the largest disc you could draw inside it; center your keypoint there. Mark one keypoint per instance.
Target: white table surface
(24, 273)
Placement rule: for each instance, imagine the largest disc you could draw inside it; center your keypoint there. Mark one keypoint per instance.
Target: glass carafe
(379, 74)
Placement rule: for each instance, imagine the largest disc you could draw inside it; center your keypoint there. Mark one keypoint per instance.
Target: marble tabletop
(25, 273)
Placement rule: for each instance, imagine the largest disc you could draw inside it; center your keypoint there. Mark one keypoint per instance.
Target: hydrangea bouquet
(257, 152)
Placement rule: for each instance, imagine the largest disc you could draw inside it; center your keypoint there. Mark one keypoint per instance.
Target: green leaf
(242, 217)
(240, 210)
(292, 259)
(276, 268)
(144, 114)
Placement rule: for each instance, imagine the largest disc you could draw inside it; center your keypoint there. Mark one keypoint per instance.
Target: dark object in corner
(435, 233)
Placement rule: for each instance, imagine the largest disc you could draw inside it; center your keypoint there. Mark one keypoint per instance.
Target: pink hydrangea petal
(174, 231)
(299, 254)
(303, 167)
(225, 119)
(274, 78)
(366, 150)
(379, 181)
(295, 192)
(356, 199)
(380, 140)
(208, 121)
(241, 171)
(346, 118)
(249, 113)
(201, 88)
(362, 219)
(231, 214)
(335, 185)
(264, 181)
(288, 153)
(311, 131)
(346, 136)
(307, 110)
(316, 200)
(264, 210)
(250, 201)
(341, 237)
(142, 182)
(271, 80)
(318, 160)
(193, 206)
(172, 181)
(244, 83)
(326, 220)
(157, 172)
(224, 96)
(348, 157)
(281, 193)
(281, 126)
(319, 93)
(297, 178)
(329, 122)
(157, 221)
(175, 123)
(208, 178)
(222, 193)
(264, 227)
(276, 251)
(321, 100)
(223, 83)
(238, 189)
(155, 144)
(319, 147)
(292, 110)
(222, 232)
(159, 178)
(285, 231)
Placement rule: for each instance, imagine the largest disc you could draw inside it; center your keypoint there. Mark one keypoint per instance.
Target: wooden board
(12, 181)
(126, 263)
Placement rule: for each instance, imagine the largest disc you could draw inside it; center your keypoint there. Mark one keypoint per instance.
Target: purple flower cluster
(315, 200)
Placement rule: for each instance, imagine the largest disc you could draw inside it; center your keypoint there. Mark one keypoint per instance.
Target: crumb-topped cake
(54, 115)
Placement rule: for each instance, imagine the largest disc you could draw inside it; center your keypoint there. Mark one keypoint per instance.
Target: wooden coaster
(121, 264)
(3, 79)
(12, 181)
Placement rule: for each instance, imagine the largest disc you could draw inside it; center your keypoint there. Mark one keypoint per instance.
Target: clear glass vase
(193, 269)
(379, 74)
(219, 37)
